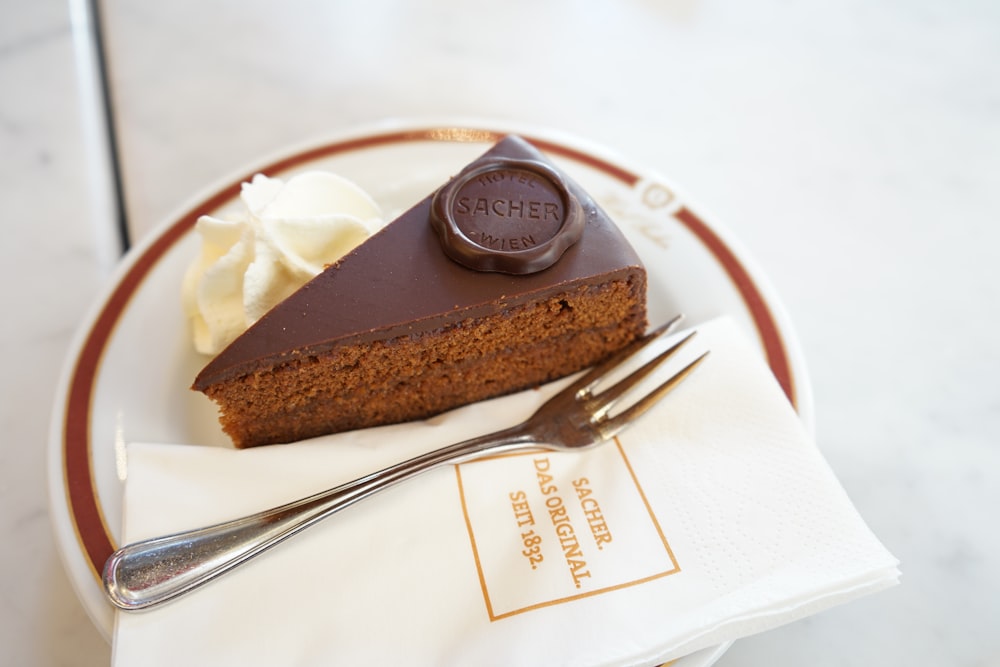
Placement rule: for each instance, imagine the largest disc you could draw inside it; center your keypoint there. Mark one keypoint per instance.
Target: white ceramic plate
(129, 372)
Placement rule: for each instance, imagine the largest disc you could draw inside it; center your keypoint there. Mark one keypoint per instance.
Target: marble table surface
(852, 147)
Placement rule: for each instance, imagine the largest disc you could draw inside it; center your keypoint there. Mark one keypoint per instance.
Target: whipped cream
(289, 232)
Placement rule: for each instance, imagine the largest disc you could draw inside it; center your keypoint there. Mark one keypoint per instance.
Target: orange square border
(479, 567)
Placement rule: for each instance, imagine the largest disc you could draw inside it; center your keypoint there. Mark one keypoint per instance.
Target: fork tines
(600, 404)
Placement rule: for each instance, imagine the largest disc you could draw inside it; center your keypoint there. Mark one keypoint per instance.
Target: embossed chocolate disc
(506, 215)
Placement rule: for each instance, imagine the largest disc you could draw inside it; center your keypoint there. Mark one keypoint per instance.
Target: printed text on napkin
(547, 528)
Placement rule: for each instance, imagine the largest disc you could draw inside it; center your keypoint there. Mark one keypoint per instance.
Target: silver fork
(150, 572)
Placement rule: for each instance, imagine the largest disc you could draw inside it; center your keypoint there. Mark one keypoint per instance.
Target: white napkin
(712, 518)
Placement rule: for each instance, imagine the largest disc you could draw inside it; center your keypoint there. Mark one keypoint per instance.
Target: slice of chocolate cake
(507, 277)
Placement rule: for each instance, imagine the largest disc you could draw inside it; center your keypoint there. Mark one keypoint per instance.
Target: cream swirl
(287, 234)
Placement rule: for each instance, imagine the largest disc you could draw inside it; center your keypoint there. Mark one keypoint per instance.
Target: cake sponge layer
(420, 375)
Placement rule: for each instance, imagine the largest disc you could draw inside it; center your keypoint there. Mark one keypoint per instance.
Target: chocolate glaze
(401, 282)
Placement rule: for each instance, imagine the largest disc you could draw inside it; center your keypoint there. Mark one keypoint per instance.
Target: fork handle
(153, 571)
